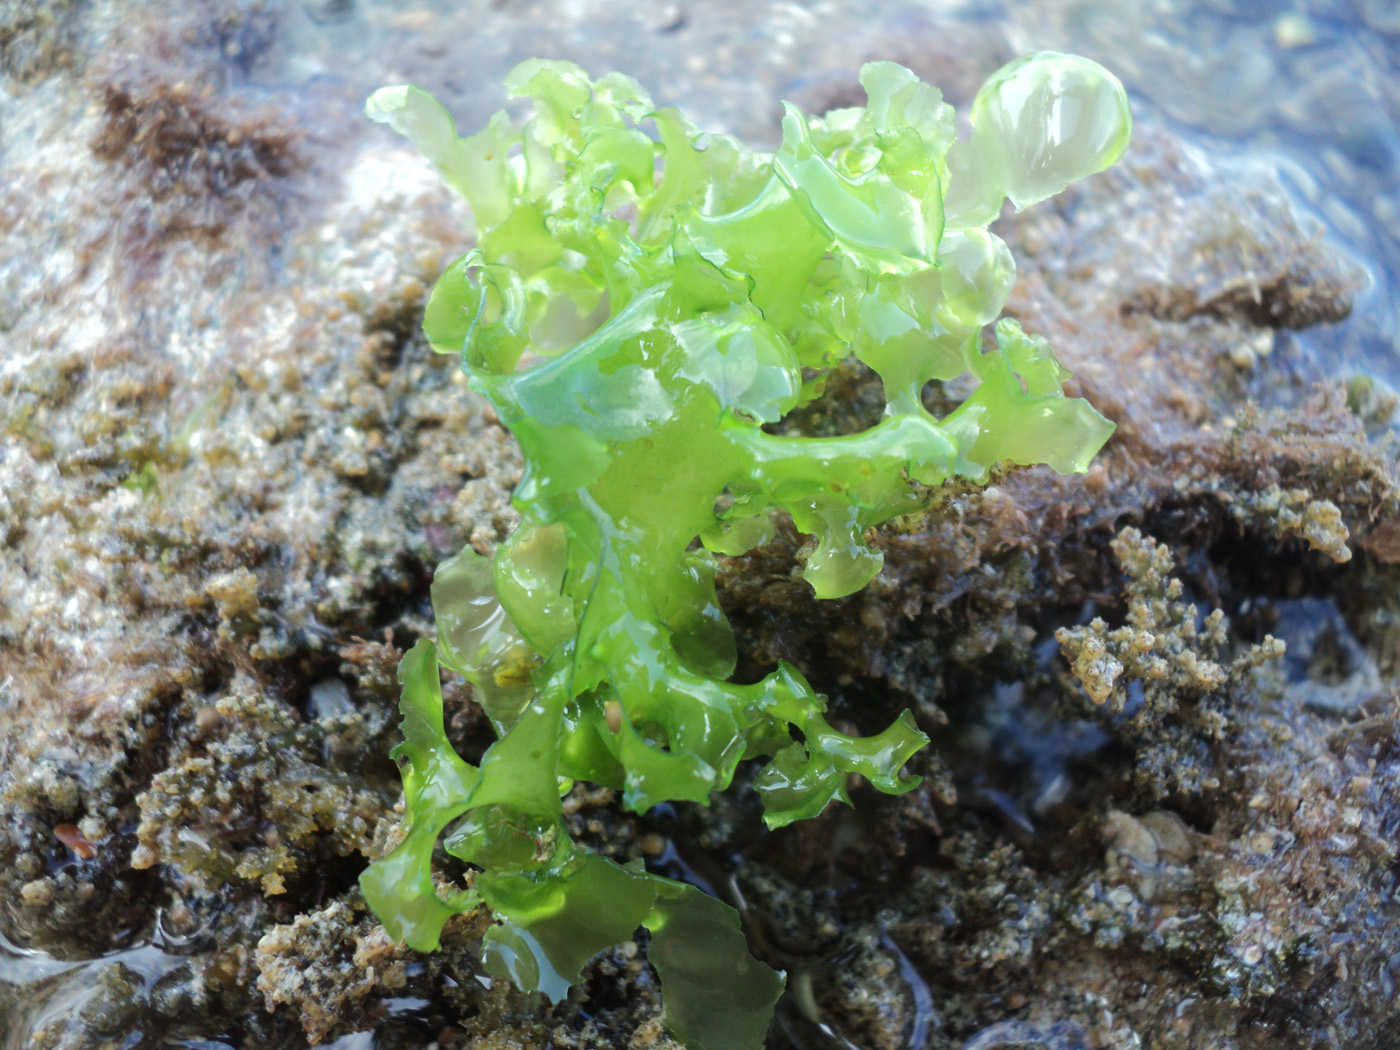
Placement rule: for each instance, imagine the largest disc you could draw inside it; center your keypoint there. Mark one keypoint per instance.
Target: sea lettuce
(642, 302)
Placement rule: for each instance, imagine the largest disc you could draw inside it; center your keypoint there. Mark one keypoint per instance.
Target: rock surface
(228, 465)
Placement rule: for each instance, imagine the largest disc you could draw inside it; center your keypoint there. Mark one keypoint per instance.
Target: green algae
(636, 310)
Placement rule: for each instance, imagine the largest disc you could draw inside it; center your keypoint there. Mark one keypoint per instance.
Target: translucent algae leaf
(717, 996)
(437, 784)
(1039, 123)
(595, 907)
(475, 165)
(640, 302)
(558, 904)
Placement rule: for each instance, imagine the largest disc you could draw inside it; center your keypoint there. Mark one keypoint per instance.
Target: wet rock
(328, 963)
(228, 465)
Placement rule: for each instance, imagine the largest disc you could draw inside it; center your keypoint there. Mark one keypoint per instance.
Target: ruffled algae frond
(642, 300)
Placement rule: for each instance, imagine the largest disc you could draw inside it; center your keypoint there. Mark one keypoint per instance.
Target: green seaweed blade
(644, 308)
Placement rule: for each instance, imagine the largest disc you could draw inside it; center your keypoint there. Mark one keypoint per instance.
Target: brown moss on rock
(253, 798)
(1160, 645)
(186, 140)
(36, 38)
(333, 965)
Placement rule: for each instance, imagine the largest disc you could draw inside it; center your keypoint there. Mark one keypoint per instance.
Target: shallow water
(1310, 89)
(41, 991)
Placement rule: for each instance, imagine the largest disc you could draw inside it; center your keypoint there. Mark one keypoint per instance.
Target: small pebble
(39, 892)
